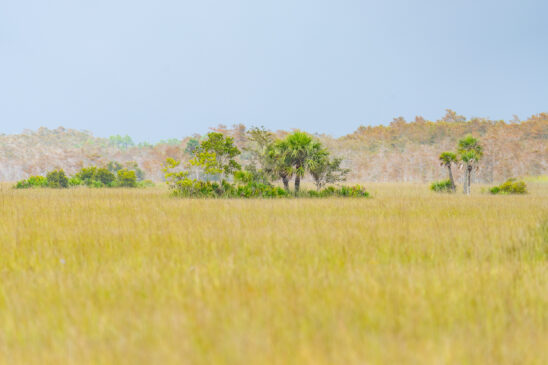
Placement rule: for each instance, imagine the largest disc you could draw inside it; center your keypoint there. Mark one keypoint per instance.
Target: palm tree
(301, 151)
(470, 152)
(446, 159)
(278, 162)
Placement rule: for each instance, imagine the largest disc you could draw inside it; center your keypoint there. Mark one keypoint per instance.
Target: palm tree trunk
(465, 182)
(469, 179)
(286, 183)
(297, 183)
(453, 188)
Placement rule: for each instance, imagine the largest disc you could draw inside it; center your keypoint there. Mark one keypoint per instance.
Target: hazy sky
(168, 68)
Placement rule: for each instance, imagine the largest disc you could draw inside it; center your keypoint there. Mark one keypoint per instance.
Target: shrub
(511, 186)
(95, 177)
(57, 179)
(32, 182)
(74, 181)
(127, 178)
(86, 174)
(443, 186)
(355, 191)
(260, 190)
(104, 176)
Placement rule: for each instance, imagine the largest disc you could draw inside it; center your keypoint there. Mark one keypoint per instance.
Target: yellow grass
(409, 276)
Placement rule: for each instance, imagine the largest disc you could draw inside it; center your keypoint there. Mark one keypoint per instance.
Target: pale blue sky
(168, 68)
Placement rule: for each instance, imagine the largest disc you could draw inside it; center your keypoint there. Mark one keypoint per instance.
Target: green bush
(443, 186)
(95, 177)
(127, 178)
(356, 191)
(74, 181)
(511, 186)
(32, 182)
(57, 179)
(104, 176)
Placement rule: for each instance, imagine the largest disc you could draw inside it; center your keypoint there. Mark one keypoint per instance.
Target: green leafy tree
(278, 163)
(470, 153)
(216, 155)
(57, 179)
(301, 150)
(447, 159)
(326, 171)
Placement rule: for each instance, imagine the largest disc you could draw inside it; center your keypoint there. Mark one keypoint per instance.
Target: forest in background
(403, 151)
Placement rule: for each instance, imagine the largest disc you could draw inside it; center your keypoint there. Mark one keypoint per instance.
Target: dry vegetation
(405, 151)
(133, 276)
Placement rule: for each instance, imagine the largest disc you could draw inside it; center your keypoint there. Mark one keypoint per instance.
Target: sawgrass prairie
(121, 276)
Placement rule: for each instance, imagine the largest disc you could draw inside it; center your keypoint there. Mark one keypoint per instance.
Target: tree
(302, 150)
(278, 163)
(216, 155)
(452, 117)
(57, 179)
(447, 159)
(470, 152)
(122, 142)
(327, 171)
(260, 141)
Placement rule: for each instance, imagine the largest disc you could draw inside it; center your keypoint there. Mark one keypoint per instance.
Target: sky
(170, 68)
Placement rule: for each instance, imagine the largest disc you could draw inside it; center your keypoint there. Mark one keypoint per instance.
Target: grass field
(119, 276)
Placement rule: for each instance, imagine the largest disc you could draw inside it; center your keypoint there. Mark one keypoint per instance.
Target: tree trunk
(469, 179)
(286, 183)
(453, 188)
(465, 182)
(297, 183)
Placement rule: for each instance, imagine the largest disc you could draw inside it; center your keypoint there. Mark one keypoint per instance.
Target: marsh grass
(133, 276)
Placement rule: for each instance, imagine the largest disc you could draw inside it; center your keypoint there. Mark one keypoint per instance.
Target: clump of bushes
(94, 177)
(114, 175)
(54, 179)
(443, 186)
(191, 188)
(32, 182)
(511, 186)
